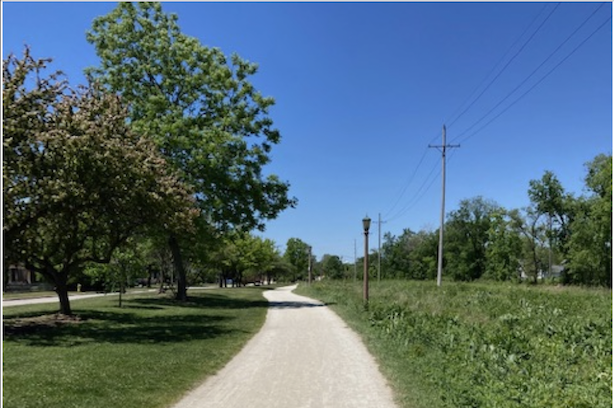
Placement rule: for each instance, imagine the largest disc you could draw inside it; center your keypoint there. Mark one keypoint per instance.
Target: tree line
(556, 235)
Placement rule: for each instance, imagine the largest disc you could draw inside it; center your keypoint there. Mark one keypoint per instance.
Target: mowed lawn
(146, 354)
(483, 344)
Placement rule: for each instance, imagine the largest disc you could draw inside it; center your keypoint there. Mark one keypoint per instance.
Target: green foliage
(202, 112)
(396, 253)
(504, 249)
(77, 181)
(200, 109)
(549, 198)
(533, 238)
(590, 246)
(332, 267)
(245, 257)
(127, 263)
(412, 255)
(297, 255)
(484, 345)
(467, 237)
(483, 240)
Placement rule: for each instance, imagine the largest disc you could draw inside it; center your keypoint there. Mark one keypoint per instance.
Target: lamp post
(366, 223)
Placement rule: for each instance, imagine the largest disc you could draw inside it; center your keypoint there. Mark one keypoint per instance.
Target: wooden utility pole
(366, 223)
(355, 266)
(379, 246)
(443, 149)
(309, 265)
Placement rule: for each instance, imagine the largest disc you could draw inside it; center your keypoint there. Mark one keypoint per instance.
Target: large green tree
(297, 255)
(467, 237)
(423, 257)
(590, 244)
(77, 181)
(504, 249)
(396, 253)
(332, 266)
(244, 257)
(200, 108)
(411, 255)
(550, 200)
(534, 236)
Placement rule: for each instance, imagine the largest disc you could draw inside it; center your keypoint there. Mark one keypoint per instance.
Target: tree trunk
(182, 294)
(161, 278)
(121, 291)
(149, 274)
(61, 288)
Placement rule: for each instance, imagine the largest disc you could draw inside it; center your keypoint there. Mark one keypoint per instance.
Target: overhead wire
(410, 179)
(407, 184)
(418, 195)
(534, 85)
(430, 180)
(450, 123)
(528, 77)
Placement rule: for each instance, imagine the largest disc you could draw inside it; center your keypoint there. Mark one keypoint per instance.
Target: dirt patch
(29, 325)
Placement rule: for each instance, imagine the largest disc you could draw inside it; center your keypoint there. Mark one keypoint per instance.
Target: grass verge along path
(146, 354)
(483, 344)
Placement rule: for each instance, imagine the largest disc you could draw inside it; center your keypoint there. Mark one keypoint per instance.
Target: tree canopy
(200, 109)
(78, 181)
(297, 255)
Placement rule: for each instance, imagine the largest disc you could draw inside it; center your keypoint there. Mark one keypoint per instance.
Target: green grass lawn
(483, 344)
(146, 354)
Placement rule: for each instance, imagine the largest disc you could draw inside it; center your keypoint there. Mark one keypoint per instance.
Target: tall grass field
(482, 344)
(146, 354)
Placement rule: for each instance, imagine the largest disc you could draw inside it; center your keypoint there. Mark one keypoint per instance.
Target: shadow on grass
(207, 301)
(117, 328)
(140, 321)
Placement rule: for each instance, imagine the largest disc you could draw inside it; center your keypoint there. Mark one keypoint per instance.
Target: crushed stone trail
(304, 356)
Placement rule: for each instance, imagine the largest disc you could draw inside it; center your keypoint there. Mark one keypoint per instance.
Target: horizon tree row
(557, 235)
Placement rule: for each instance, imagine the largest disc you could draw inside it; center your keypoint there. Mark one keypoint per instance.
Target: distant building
(557, 270)
(19, 275)
(18, 278)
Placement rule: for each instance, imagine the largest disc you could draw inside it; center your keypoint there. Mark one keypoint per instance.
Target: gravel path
(304, 356)
(54, 299)
(48, 299)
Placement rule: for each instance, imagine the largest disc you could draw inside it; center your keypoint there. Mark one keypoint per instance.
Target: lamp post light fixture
(366, 223)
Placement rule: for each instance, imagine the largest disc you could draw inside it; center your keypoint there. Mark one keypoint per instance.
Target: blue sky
(362, 89)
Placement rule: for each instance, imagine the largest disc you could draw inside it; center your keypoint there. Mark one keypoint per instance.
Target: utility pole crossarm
(443, 147)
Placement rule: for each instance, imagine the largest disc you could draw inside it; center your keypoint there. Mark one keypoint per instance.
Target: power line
(408, 183)
(530, 75)
(498, 62)
(404, 189)
(418, 195)
(537, 83)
